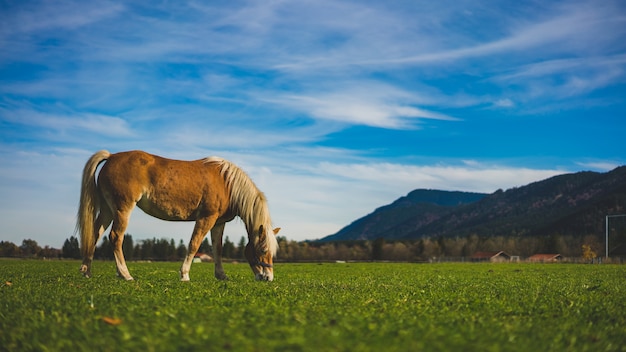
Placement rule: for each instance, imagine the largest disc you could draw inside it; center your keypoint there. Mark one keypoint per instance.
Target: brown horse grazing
(209, 191)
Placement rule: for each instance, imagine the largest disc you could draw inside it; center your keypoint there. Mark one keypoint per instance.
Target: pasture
(48, 305)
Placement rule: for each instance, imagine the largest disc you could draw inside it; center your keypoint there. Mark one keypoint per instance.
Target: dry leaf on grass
(112, 321)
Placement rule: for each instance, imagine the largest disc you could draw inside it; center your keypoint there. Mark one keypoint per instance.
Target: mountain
(571, 204)
(418, 208)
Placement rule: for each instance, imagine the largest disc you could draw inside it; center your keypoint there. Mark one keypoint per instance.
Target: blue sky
(333, 108)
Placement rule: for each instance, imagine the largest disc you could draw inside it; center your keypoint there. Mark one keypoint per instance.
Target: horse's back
(165, 188)
(145, 167)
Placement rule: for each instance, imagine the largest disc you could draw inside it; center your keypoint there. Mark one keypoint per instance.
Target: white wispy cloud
(600, 165)
(468, 177)
(504, 103)
(352, 110)
(564, 78)
(69, 122)
(362, 103)
(561, 30)
(33, 17)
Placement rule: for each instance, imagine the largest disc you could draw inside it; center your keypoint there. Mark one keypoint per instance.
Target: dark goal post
(606, 233)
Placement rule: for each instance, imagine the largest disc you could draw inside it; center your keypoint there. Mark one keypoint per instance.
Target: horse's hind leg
(217, 233)
(117, 238)
(101, 223)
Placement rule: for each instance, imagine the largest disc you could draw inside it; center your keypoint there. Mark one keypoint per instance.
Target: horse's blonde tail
(89, 205)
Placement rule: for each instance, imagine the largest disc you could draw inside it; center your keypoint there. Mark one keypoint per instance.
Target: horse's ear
(276, 230)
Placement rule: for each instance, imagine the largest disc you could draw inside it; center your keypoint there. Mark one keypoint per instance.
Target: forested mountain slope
(571, 204)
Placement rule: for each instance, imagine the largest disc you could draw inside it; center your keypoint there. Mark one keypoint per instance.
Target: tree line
(165, 249)
(411, 250)
(28, 249)
(150, 249)
(427, 249)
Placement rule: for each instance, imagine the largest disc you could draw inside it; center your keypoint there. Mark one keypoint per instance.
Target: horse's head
(260, 253)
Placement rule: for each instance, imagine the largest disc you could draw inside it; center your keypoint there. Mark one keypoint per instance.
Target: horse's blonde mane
(247, 201)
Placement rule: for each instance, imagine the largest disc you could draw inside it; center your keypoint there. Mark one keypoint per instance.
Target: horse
(210, 191)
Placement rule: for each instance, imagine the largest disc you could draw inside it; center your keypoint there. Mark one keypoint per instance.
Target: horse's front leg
(216, 240)
(199, 232)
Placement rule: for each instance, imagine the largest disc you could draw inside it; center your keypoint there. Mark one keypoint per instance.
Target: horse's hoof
(184, 277)
(84, 269)
(264, 277)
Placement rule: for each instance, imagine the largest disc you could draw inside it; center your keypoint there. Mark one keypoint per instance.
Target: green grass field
(48, 305)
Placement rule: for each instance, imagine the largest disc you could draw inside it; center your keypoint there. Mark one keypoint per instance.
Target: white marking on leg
(185, 268)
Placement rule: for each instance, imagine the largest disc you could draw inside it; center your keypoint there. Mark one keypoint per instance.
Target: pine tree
(241, 248)
(71, 248)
